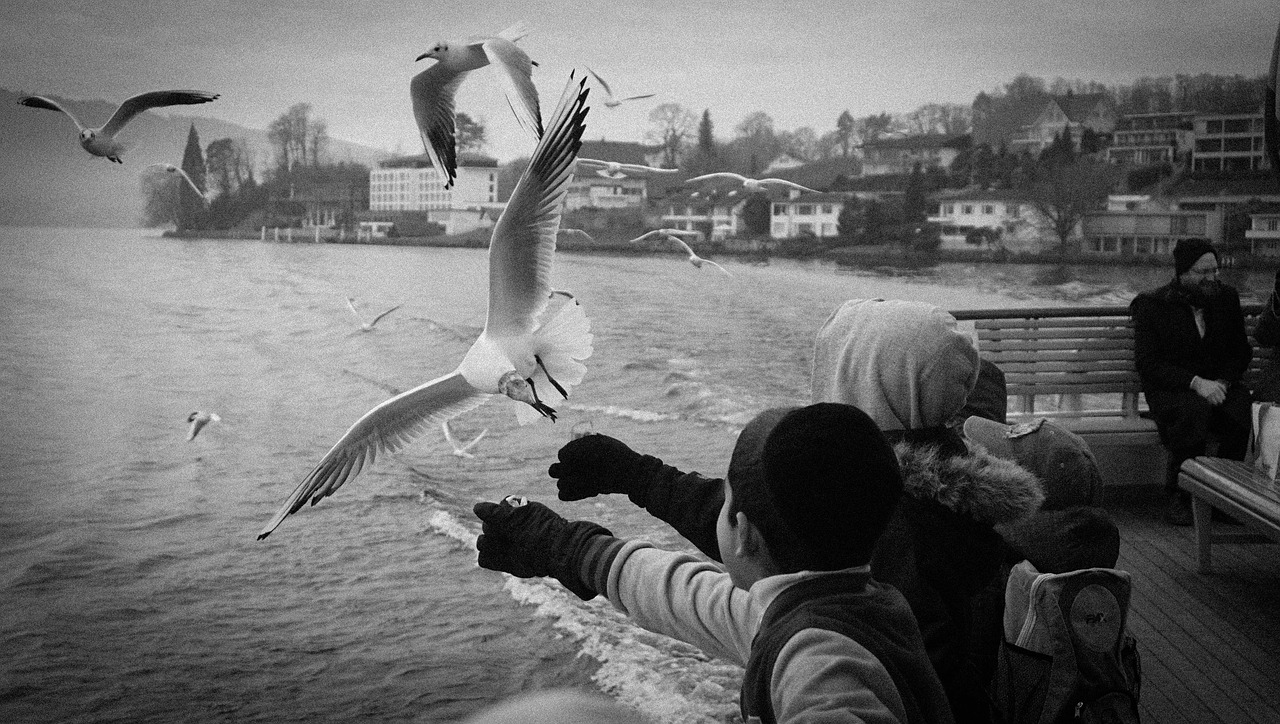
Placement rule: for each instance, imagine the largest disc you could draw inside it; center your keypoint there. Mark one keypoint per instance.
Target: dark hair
(819, 482)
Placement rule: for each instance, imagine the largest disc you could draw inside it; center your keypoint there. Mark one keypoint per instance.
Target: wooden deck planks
(1210, 644)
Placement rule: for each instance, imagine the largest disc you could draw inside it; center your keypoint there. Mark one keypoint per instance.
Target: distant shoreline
(863, 256)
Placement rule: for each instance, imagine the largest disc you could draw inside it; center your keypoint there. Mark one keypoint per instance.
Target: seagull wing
(432, 93)
(524, 239)
(154, 99)
(717, 176)
(636, 98)
(49, 105)
(712, 263)
(785, 183)
(351, 305)
(516, 75)
(637, 169)
(679, 241)
(590, 163)
(387, 427)
(380, 316)
(190, 182)
(647, 235)
(607, 91)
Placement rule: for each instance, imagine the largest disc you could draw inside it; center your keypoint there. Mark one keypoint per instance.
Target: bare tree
(945, 118)
(318, 140)
(672, 124)
(1064, 192)
(844, 132)
(801, 143)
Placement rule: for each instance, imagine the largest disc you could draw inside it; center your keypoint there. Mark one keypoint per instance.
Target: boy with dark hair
(809, 492)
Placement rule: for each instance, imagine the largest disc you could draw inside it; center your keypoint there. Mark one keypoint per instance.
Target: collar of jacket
(977, 485)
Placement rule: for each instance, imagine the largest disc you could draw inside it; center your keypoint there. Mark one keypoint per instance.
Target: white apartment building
(1264, 235)
(1229, 142)
(1010, 221)
(413, 184)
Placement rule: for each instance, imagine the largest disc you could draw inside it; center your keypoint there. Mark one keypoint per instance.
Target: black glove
(596, 464)
(534, 540)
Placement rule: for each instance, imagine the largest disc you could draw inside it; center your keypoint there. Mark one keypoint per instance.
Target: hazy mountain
(48, 180)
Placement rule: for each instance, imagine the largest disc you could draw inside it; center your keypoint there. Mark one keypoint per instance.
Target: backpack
(1067, 653)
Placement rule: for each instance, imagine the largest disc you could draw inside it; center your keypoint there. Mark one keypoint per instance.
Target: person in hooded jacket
(911, 370)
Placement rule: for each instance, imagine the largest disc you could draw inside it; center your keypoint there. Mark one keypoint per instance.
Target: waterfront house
(975, 218)
(412, 184)
(716, 212)
(1031, 124)
(1228, 142)
(806, 214)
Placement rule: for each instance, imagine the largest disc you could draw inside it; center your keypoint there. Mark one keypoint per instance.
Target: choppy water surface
(131, 584)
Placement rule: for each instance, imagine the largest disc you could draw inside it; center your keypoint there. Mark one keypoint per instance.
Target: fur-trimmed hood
(979, 485)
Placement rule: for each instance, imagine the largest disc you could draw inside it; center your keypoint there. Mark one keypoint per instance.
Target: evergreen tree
(756, 213)
(847, 221)
(705, 158)
(191, 210)
(914, 204)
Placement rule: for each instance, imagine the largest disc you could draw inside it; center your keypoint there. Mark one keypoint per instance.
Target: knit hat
(820, 482)
(1060, 458)
(1187, 251)
(906, 364)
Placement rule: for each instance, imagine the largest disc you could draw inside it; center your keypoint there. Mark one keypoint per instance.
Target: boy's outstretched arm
(597, 464)
(530, 539)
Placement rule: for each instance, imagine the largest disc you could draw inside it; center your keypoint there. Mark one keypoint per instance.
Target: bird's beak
(424, 55)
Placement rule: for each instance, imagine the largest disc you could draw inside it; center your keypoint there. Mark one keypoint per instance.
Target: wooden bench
(1237, 489)
(1075, 365)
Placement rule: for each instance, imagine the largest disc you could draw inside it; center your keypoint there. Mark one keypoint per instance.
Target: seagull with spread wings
(750, 185)
(460, 449)
(525, 342)
(198, 419)
(610, 100)
(102, 141)
(367, 326)
(433, 89)
(674, 235)
(170, 168)
(614, 169)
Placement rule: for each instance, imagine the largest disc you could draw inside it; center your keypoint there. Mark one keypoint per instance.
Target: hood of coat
(980, 486)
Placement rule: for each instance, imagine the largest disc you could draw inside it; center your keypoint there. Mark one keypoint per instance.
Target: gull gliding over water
(102, 141)
(367, 326)
(610, 101)
(460, 449)
(433, 89)
(198, 420)
(614, 169)
(672, 235)
(516, 350)
(751, 185)
(175, 170)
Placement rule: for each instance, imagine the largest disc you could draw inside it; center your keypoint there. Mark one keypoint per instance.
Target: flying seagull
(516, 351)
(614, 169)
(461, 450)
(174, 169)
(367, 326)
(102, 141)
(751, 185)
(610, 101)
(672, 235)
(433, 89)
(198, 420)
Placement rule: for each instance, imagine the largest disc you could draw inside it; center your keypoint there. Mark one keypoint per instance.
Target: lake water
(131, 584)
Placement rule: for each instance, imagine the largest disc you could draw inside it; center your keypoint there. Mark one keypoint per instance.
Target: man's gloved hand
(533, 540)
(596, 464)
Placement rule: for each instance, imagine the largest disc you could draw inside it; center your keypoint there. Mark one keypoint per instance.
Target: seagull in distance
(367, 326)
(525, 342)
(614, 169)
(459, 449)
(175, 170)
(610, 101)
(102, 141)
(433, 89)
(672, 235)
(198, 420)
(751, 185)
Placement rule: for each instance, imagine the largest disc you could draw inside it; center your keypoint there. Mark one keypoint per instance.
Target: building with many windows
(717, 213)
(413, 184)
(1228, 142)
(976, 218)
(1264, 235)
(1145, 232)
(1147, 139)
(806, 214)
(899, 155)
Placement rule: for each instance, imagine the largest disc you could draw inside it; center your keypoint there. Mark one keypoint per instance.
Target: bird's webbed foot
(550, 379)
(543, 408)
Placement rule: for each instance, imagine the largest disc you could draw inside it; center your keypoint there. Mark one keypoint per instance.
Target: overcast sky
(800, 62)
